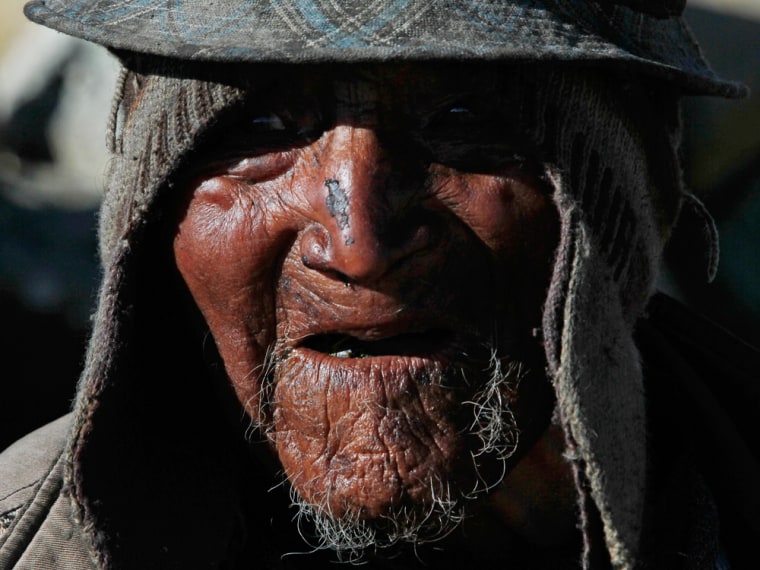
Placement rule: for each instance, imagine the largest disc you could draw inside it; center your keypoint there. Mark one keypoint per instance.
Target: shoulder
(37, 529)
(697, 337)
(31, 477)
(29, 460)
(706, 361)
(703, 394)
(700, 367)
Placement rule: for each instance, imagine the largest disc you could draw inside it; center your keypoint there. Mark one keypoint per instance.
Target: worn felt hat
(648, 35)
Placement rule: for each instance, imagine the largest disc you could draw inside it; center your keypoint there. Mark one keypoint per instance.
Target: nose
(365, 214)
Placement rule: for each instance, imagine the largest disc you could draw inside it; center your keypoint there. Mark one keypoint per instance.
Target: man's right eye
(253, 145)
(268, 123)
(256, 133)
(268, 131)
(260, 130)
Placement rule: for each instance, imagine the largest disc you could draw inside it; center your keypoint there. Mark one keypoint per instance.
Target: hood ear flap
(610, 244)
(595, 370)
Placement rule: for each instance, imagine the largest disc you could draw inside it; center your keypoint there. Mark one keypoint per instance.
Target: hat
(645, 35)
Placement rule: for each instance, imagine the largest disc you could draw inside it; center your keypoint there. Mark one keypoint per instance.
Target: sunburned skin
(366, 246)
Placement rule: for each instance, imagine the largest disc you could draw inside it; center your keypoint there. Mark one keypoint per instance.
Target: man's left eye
(471, 138)
(460, 112)
(451, 118)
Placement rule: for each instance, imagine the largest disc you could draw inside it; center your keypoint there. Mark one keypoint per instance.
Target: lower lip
(418, 351)
(374, 379)
(386, 361)
(414, 349)
(357, 373)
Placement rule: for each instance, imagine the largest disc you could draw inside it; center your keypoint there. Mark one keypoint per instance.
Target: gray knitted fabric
(605, 269)
(615, 212)
(148, 142)
(168, 116)
(611, 238)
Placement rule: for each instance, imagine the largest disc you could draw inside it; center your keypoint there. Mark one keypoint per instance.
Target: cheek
(203, 243)
(513, 215)
(227, 258)
(222, 247)
(516, 219)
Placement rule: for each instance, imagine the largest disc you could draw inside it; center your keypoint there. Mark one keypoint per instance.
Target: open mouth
(410, 344)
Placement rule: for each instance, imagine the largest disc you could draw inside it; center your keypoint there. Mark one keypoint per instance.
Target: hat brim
(310, 31)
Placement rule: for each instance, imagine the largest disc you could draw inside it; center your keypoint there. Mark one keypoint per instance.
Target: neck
(537, 499)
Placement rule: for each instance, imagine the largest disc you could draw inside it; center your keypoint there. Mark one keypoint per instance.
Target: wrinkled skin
(356, 240)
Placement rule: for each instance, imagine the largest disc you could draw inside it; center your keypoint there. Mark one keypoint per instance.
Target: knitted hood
(148, 450)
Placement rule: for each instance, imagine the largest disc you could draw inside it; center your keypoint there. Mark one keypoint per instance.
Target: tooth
(343, 353)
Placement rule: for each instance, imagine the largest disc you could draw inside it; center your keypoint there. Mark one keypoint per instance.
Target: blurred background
(55, 95)
(54, 104)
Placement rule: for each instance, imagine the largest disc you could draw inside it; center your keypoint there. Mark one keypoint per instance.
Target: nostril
(315, 249)
(375, 243)
(316, 255)
(420, 238)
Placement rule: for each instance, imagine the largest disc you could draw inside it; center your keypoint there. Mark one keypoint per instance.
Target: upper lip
(403, 322)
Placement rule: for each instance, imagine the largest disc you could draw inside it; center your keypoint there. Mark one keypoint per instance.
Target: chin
(380, 449)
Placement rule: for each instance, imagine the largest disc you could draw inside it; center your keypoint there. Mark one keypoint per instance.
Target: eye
(252, 145)
(267, 123)
(261, 126)
(472, 136)
(461, 112)
(271, 130)
(260, 139)
(451, 117)
(306, 126)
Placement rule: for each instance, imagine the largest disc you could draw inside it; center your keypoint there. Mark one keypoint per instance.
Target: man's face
(370, 248)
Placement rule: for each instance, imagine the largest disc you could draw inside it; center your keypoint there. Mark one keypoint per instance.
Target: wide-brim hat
(605, 32)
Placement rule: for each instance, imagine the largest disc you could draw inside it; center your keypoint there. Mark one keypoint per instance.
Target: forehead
(397, 85)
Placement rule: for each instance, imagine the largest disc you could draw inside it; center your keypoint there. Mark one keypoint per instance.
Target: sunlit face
(370, 246)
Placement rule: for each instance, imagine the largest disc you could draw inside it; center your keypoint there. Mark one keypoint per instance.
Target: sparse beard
(493, 424)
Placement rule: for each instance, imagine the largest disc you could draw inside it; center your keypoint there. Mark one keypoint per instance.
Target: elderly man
(372, 273)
